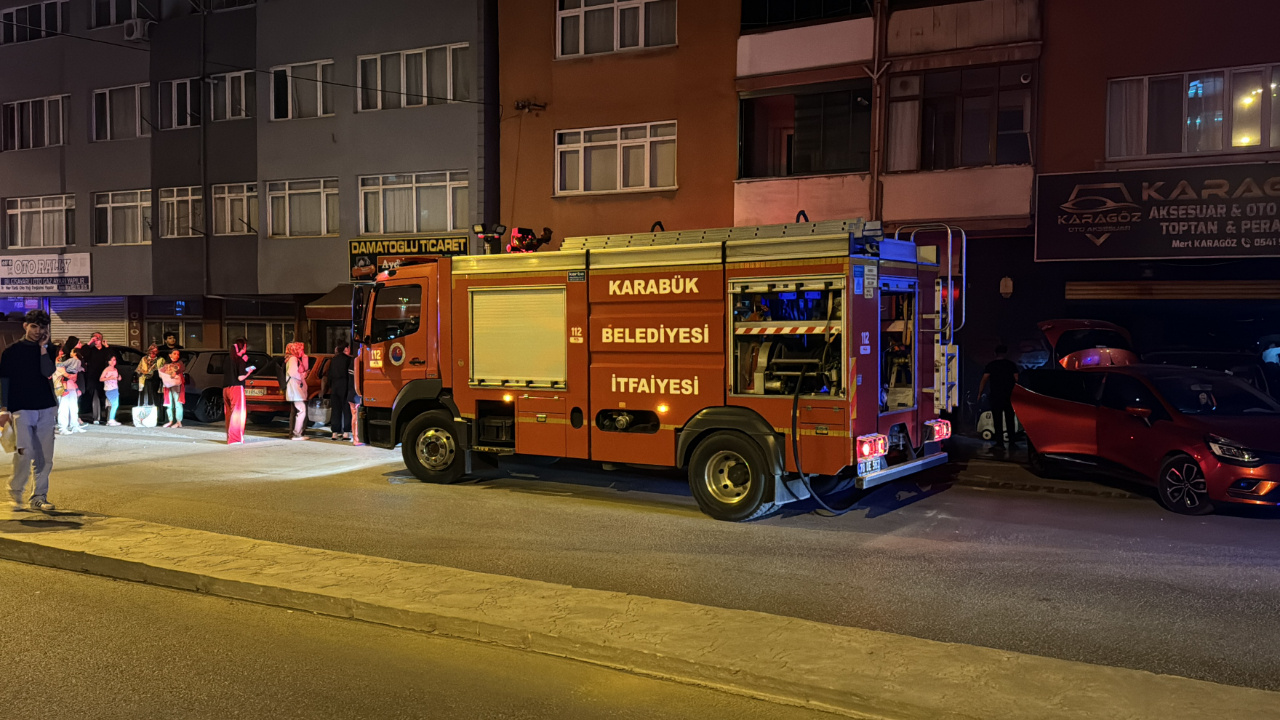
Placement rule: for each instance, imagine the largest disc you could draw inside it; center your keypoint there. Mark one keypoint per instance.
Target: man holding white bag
(27, 391)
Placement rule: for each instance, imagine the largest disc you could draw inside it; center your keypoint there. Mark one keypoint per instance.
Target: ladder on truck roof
(816, 230)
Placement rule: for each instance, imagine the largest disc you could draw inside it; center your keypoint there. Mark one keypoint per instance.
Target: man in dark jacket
(26, 391)
(339, 383)
(1002, 375)
(93, 399)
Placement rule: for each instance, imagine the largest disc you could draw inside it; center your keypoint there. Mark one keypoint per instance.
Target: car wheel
(431, 448)
(209, 407)
(727, 476)
(1182, 487)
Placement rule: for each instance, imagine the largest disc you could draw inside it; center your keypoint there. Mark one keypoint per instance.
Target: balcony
(804, 48)
(769, 201)
(1001, 191)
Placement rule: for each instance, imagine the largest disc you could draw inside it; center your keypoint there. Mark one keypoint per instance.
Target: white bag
(318, 411)
(144, 416)
(9, 437)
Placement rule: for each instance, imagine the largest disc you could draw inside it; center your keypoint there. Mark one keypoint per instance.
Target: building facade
(210, 167)
(617, 115)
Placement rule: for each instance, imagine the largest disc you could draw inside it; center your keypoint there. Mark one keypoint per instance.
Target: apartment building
(1157, 198)
(233, 160)
(617, 115)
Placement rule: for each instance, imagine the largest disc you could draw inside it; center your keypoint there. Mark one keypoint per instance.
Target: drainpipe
(879, 104)
(206, 200)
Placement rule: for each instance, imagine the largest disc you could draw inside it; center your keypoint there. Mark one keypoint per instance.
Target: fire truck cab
(759, 359)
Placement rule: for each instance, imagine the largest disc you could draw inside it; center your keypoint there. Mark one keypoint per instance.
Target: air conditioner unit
(137, 30)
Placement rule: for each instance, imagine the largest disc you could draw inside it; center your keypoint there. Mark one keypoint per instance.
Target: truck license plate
(255, 392)
(866, 467)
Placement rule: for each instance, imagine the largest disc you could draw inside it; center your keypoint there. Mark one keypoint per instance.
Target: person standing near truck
(1002, 374)
(237, 370)
(27, 400)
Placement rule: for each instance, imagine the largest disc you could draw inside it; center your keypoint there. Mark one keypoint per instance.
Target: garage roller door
(518, 336)
(83, 316)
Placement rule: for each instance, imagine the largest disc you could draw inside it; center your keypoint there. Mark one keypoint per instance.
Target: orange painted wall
(691, 83)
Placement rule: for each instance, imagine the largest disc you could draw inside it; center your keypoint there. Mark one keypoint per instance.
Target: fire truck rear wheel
(728, 478)
(431, 448)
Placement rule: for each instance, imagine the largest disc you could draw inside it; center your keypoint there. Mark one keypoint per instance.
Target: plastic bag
(318, 411)
(9, 437)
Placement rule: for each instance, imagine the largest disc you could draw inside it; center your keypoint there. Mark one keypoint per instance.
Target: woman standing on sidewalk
(111, 388)
(295, 370)
(173, 375)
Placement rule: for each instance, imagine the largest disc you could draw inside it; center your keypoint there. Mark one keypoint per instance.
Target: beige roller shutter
(83, 316)
(519, 336)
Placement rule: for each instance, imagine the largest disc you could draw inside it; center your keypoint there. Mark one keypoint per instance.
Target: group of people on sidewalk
(44, 389)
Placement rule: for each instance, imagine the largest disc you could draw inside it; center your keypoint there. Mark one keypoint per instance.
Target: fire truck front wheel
(727, 475)
(431, 448)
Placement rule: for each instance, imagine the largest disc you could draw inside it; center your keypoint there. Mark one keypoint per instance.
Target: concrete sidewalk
(853, 672)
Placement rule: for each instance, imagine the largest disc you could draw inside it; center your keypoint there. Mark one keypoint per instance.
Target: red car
(262, 394)
(1201, 437)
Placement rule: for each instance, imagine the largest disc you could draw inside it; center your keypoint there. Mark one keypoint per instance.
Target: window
(412, 78)
(190, 333)
(960, 118)
(807, 133)
(235, 209)
(122, 113)
(397, 312)
(35, 21)
(41, 221)
(616, 159)
(768, 14)
(302, 208)
(181, 212)
(35, 123)
(268, 337)
(1121, 391)
(302, 91)
(425, 202)
(122, 218)
(233, 96)
(227, 4)
(590, 27)
(179, 103)
(113, 12)
(1191, 113)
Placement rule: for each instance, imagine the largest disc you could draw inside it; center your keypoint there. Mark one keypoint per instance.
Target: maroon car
(1201, 437)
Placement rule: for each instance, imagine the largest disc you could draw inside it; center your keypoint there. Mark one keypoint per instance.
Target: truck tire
(727, 474)
(431, 448)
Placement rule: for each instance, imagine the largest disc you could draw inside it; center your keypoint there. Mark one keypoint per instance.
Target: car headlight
(1230, 451)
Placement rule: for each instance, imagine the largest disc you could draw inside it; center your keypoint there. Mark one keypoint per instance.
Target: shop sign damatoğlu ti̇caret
(1224, 211)
(370, 257)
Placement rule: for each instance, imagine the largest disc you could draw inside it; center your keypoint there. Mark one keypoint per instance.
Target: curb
(853, 672)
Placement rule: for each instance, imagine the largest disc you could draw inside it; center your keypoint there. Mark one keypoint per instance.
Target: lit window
(235, 209)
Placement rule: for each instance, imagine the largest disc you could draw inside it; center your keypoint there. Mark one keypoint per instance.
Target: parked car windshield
(1213, 395)
(1077, 340)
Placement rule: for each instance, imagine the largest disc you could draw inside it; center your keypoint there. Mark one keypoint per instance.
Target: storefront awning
(335, 305)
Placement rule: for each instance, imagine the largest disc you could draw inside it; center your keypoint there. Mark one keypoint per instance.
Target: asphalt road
(1116, 581)
(77, 646)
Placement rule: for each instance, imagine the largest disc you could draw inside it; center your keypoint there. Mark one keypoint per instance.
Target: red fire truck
(758, 358)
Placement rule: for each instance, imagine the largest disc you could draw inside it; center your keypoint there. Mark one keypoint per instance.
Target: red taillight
(872, 446)
(938, 429)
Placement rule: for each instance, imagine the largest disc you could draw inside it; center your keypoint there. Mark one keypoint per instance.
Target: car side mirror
(1142, 413)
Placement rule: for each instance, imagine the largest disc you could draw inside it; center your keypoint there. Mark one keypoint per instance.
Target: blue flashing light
(813, 295)
(787, 296)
